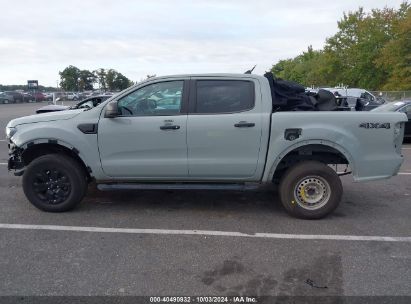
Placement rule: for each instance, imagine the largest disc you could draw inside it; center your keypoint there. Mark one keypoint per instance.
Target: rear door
(224, 128)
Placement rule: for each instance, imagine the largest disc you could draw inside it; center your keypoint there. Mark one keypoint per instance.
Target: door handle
(244, 124)
(170, 127)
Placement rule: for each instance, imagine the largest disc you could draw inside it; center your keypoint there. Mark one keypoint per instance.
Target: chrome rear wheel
(312, 192)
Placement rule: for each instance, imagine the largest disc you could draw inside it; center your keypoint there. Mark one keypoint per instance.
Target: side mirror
(111, 110)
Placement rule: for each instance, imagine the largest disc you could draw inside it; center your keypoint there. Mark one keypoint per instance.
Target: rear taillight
(398, 136)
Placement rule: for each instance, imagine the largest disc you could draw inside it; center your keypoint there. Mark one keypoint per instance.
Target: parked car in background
(81, 96)
(17, 97)
(358, 99)
(403, 106)
(90, 102)
(97, 93)
(6, 98)
(48, 96)
(72, 96)
(27, 97)
(60, 95)
(38, 96)
(361, 104)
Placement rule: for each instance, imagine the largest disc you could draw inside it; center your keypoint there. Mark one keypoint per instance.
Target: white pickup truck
(203, 132)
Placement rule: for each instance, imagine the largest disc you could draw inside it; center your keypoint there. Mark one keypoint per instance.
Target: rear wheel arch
(318, 150)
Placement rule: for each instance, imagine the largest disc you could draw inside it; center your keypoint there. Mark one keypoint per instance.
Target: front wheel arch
(33, 151)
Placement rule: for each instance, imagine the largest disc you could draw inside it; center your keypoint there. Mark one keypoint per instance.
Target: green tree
(100, 75)
(110, 79)
(396, 55)
(370, 50)
(357, 45)
(117, 81)
(74, 79)
(86, 80)
(306, 68)
(122, 82)
(69, 78)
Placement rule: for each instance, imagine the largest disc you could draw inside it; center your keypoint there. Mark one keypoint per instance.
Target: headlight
(10, 131)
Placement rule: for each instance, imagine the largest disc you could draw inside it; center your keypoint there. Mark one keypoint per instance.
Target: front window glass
(163, 98)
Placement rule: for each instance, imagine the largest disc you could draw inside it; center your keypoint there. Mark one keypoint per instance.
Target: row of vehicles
(203, 131)
(19, 96)
(87, 103)
(76, 96)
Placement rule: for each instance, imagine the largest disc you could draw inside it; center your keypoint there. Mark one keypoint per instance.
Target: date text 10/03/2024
(205, 299)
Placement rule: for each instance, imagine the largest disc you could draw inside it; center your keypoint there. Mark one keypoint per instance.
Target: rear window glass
(224, 96)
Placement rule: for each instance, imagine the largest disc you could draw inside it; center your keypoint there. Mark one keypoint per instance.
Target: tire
(323, 183)
(64, 175)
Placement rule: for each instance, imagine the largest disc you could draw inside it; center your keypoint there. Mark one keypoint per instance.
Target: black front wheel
(54, 183)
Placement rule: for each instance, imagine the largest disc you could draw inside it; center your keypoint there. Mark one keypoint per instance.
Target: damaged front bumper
(15, 159)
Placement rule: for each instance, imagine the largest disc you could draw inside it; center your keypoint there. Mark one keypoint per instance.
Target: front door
(148, 139)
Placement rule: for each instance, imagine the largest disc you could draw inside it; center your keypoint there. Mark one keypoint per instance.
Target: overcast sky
(40, 38)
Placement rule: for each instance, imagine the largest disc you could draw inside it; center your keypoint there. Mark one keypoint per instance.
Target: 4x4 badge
(375, 125)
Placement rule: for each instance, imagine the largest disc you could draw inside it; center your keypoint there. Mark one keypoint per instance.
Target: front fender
(64, 133)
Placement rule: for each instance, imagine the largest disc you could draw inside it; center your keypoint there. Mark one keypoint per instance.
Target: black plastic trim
(88, 128)
(185, 98)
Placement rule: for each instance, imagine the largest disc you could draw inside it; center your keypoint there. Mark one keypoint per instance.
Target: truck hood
(52, 116)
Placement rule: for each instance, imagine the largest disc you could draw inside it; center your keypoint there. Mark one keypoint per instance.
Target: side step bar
(178, 186)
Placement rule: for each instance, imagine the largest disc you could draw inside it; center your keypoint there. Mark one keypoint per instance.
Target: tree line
(74, 79)
(370, 50)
